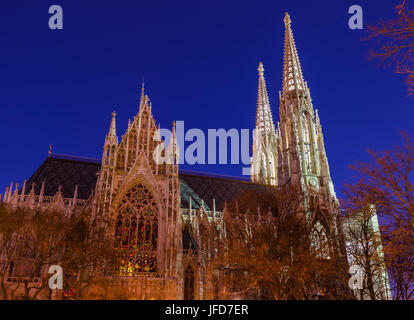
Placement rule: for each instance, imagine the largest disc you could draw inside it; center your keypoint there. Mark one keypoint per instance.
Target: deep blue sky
(199, 60)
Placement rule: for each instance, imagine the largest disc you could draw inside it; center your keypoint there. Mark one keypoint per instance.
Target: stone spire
(142, 97)
(264, 120)
(304, 158)
(264, 161)
(112, 137)
(109, 155)
(292, 72)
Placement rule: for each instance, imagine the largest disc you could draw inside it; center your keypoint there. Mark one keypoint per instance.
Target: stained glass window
(136, 232)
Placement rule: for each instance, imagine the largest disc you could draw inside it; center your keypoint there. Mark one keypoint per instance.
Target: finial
(33, 187)
(142, 98)
(50, 150)
(287, 19)
(113, 114)
(261, 69)
(60, 189)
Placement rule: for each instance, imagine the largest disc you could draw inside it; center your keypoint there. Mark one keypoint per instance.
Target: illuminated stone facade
(159, 213)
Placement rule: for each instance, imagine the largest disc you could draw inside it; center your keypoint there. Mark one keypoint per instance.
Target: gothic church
(159, 211)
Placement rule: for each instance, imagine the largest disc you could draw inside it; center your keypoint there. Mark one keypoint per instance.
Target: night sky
(199, 60)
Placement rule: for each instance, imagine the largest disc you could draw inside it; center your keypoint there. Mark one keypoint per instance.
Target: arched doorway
(189, 284)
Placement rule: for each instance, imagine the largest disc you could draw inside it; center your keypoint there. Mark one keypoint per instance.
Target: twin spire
(292, 80)
(292, 71)
(264, 120)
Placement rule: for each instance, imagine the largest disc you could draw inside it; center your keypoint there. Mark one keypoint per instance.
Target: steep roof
(68, 171)
(221, 188)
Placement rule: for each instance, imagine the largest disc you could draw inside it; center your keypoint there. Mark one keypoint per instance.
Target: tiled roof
(68, 172)
(222, 189)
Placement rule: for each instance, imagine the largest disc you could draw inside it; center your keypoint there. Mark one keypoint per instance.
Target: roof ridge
(74, 158)
(184, 172)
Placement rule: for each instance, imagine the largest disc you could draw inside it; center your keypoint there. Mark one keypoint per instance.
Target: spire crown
(287, 19)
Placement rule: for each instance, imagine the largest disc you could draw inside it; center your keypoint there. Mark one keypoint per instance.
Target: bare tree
(89, 253)
(386, 183)
(33, 242)
(395, 46)
(267, 250)
(10, 223)
(364, 243)
(399, 253)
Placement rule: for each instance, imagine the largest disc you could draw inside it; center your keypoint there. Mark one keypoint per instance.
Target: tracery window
(307, 141)
(305, 128)
(320, 241)
(136, 232)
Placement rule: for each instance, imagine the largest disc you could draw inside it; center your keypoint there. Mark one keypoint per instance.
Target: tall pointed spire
(264, 160)
(142, 98)
(264, 120)
(292, 71)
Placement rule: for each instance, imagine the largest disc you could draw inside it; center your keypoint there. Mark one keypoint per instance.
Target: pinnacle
(287, 19)
(112, 128)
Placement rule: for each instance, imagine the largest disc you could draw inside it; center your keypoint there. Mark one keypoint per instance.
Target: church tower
(294, 152)
(304, 159)
(264, 162)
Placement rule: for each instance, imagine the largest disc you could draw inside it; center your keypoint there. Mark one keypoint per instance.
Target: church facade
(159, 212)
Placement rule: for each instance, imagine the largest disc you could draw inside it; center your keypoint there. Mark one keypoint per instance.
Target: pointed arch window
(307, 143)
(189, 284)
(136, 232)
(305, 128)
(319, 241)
